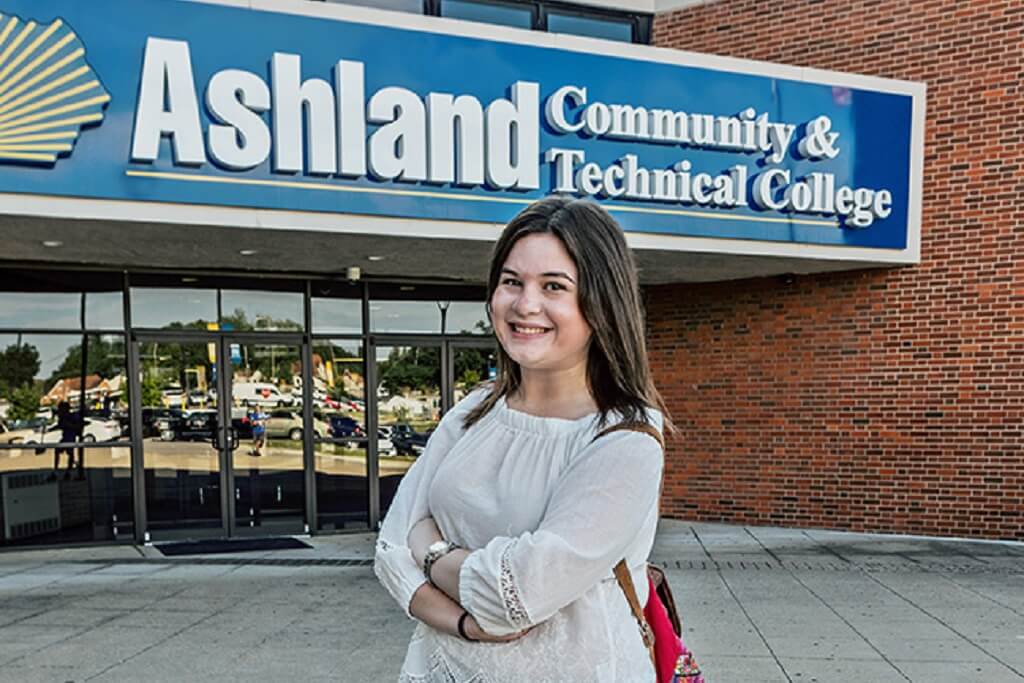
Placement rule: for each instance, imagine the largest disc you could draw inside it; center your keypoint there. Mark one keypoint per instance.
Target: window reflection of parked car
(284, 423)
(343, 427)
(158, 420)
(173, 398)
(385, 446)
(198, 425)
(260, 394)
(407, 441)
(92, 430)
(21, 431)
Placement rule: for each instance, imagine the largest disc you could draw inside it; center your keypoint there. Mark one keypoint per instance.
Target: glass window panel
(337, 316)
(339, 388)
(467, 317)
(178, 394)
(408, 408)
(88, 499)
(342, 492)
(488, 13)
(413, 6)
(169, 308)
(266, 399)
(104, 310)
(339, 395)
(608, 29)
(41, 310)
(471, 367)
(405, 316)
(261, 310)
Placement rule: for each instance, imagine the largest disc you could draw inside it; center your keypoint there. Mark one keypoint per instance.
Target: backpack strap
(622, 575)
(625, 581)
(644, 427)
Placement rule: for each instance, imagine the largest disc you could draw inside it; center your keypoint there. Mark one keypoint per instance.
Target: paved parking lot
(760, 605)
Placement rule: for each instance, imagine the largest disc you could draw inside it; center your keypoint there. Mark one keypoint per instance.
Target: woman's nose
(527, 303)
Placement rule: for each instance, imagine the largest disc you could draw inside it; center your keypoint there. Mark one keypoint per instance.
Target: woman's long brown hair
(618, 375)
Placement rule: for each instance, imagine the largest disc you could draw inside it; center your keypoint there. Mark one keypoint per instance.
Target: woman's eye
(510, 281)
(554, 286)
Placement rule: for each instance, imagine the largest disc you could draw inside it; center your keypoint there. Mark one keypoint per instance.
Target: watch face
(437, 546)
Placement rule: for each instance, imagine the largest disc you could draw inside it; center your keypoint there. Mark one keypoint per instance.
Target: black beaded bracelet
(462, 628)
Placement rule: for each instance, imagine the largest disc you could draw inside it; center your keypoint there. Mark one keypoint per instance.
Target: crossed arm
(436, 604)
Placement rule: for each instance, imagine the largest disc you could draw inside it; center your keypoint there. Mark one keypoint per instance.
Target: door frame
(222, 340)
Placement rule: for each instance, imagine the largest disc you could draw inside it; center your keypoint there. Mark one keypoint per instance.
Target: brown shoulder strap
(644, 427)
(625, 580)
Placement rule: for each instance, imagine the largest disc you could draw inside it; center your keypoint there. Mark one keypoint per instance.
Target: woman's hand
(423, 533)
(473, 630)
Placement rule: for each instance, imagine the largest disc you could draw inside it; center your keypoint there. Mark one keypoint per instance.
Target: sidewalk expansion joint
(259, 561)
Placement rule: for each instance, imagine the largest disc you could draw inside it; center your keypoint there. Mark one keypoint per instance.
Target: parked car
(260, 394)
(407, 441)
(285, 423)
(173, 398)
(385, 446)
(93, 429)
(343, 427)
(20, 431)
(156, 421)
(198, 425)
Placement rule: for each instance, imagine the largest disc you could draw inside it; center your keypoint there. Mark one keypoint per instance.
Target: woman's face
(535, 308)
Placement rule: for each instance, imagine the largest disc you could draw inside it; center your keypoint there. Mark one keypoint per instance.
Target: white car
(94, 430)
(260, 394)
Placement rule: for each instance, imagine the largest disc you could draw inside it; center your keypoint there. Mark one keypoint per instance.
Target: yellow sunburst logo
(48, 92)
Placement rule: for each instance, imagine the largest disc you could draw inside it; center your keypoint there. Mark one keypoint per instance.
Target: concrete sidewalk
(759, 605)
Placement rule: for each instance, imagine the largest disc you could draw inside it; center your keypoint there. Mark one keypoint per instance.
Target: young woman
(502, 537)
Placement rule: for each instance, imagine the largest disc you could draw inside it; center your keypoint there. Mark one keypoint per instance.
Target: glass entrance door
(408, 395)
(222, 451)
(266, 418)
(181, 442)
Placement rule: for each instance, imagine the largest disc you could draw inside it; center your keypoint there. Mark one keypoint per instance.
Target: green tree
(19, 364)
(416, 368)
(105, 358)
(151, 394)
(24, 402)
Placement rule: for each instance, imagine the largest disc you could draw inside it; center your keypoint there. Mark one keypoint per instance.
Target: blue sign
(196, 103)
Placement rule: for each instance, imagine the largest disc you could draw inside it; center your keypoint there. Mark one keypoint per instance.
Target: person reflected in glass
(258, 422)
(502, 537)
(69, 425)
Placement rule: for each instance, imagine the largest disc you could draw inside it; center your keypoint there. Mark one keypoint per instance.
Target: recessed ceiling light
(53, 243)
(374, 258)
(406, 288)
(190, 279)
(248, 252)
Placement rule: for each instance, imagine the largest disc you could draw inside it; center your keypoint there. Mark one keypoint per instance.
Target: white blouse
(547, 513)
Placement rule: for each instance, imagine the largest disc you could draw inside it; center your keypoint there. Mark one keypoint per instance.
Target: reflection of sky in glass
(520, 17)
(157, 307)
(264, 310)
(52, 348)
(104, 310)
(337, 316)
(46, 310)
(414, 6)
(405, 316)
(586, 26)
(463, 316)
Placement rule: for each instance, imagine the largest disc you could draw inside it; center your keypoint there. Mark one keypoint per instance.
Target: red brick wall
(885, 400)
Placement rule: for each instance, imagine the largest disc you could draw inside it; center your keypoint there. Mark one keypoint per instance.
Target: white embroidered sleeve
(393, 562)
(600, 506)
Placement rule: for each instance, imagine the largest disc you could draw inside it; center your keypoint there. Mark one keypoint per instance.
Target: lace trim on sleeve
(514, 608)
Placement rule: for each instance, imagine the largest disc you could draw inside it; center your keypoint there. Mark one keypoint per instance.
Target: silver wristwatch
(435, 551)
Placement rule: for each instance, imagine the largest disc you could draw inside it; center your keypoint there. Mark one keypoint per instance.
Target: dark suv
(408, 441)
